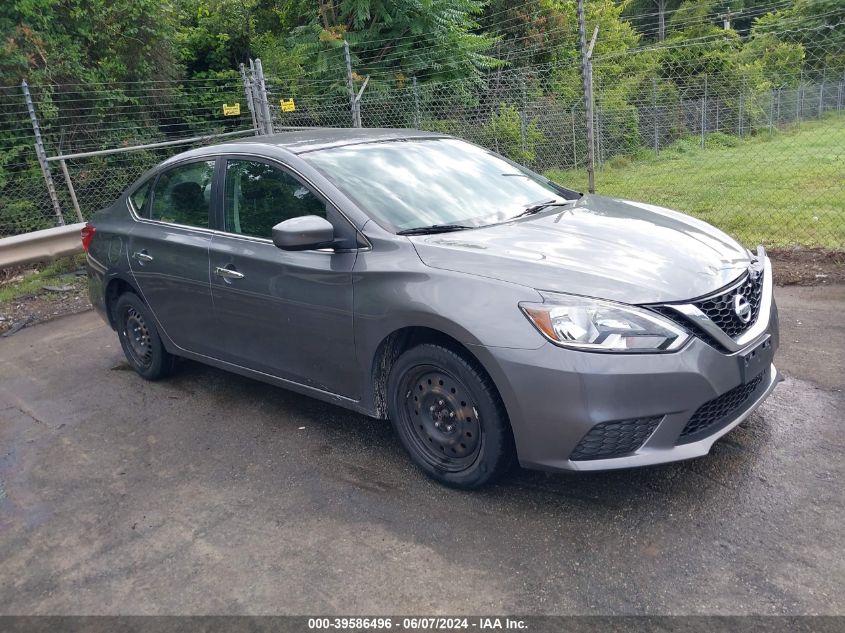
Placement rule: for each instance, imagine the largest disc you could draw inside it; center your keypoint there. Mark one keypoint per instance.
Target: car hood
(599, 247)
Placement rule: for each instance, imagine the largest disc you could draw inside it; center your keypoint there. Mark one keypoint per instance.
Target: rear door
(285, 313)
(168, 253)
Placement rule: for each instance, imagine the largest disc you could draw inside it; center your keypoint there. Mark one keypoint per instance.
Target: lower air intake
(715, 414)
(615, 439)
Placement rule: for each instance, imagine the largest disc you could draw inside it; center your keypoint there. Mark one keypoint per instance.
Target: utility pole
(587, 78)
(726, 19)
(661, 19)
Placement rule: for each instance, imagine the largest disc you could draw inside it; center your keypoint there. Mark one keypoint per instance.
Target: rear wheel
(140, 340)
(449, 417)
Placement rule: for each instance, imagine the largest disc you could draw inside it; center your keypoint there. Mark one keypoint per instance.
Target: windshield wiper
(434, 228)
(539, 206)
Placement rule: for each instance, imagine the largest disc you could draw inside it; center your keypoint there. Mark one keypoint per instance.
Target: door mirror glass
(303, 233)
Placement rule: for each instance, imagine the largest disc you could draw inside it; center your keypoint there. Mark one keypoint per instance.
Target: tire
(140, 340)
(449, 417)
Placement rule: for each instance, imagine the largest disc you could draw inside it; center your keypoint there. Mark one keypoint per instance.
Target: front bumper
(660, 448)
(555, 397)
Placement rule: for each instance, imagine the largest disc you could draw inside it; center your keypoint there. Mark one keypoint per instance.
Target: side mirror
(303, 233)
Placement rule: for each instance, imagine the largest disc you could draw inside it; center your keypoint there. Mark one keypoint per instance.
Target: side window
(139, 198)
(259, 196)
(182, 195)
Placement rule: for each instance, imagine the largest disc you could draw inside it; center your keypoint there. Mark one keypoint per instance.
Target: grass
(781, 189)
(44, 275)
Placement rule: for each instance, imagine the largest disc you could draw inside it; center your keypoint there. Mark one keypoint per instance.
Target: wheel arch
(116, 286)
(399, 341)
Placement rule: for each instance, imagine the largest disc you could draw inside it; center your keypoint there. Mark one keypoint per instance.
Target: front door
(284, 313)
(168, 254)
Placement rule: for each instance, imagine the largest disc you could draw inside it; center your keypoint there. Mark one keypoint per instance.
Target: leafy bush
(506, 133)
(619, 162)
(720, 139)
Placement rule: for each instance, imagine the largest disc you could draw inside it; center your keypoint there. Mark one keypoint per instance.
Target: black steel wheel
(449, 417)
(438, 409)
(137, 333)
(140, 340)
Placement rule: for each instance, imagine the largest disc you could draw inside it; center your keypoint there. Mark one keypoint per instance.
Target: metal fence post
(598, 137)
(264, 104)
(522, 114)
(587, 79)
(718, 113)
(799, 97)
(250, 99)
(350, 87)
(42, 155)
(771, 110)
(654, 115)
(741, 107)
(256, 98)
(704, 112)
(71, 190)
(416, 103)
(821, 92)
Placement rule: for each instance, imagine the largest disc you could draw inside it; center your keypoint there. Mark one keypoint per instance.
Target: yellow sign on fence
(287, 105)
(232, 110)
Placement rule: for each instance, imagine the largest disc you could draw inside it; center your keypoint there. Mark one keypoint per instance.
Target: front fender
(475, 311)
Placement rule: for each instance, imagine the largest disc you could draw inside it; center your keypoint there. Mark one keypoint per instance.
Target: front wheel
(449, 417)
(140, 340)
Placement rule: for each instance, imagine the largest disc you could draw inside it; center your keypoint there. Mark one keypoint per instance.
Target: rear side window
(139, 198)
(182, 195)
(259, 196)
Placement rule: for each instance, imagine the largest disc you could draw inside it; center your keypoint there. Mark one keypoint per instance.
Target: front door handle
(228, 273)
(143, 256)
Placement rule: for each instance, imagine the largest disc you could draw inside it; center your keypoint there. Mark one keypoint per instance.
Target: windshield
(433, 181)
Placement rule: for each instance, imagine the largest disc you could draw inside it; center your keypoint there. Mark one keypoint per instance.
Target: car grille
(715, 414)
(614, 439)
(720, 308)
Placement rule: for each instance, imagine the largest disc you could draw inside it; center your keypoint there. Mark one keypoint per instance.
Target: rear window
(182, 194)
(140, 197)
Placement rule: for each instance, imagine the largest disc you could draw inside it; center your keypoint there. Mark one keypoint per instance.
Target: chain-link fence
(105, 131)
(749, 136)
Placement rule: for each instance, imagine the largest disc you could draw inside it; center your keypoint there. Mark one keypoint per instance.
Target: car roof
(304, 140)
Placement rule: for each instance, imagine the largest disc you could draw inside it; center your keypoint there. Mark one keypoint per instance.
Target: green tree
(390, 40)
(79, 41)
(649, 16)
(73, 53)
(529, 33)
(818, 25)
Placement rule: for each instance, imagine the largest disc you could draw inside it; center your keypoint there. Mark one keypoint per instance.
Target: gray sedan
(491, 314)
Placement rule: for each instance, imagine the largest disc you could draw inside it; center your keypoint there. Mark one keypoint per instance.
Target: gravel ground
(214, 494)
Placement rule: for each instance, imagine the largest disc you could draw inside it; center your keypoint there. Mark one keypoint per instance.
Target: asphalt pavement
(214, 494)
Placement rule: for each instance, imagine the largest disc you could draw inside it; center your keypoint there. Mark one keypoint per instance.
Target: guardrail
(43, 245)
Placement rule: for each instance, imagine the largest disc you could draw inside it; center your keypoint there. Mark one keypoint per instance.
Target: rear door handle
(143, 256)
(228, 273)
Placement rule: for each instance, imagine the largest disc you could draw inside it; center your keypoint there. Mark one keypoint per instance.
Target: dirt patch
(808, 267)
(64, 294)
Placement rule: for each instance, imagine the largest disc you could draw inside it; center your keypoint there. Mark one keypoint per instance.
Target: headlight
(602, 326)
